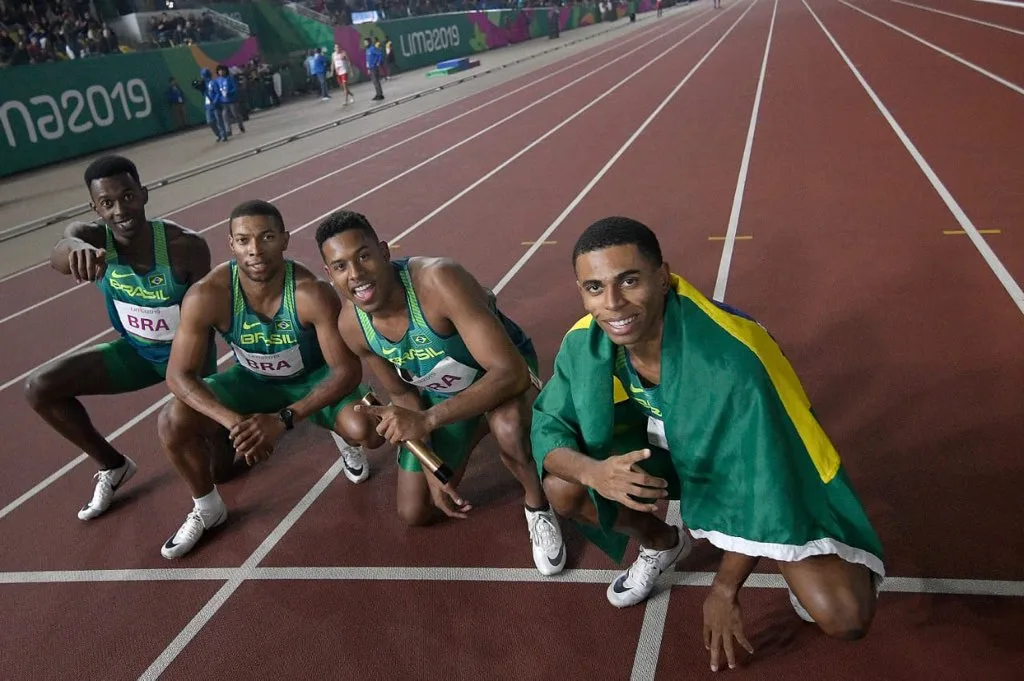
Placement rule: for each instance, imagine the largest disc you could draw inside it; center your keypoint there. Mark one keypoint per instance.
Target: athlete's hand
(617, 477)
(254, 436)
(87, 263)
(723, 621)
(446, 498)
(398, 424)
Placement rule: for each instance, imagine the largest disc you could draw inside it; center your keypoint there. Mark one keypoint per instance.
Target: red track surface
(907, 342)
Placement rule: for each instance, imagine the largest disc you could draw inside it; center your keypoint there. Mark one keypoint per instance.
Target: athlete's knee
(176, 424)
(42, 386)
(842, 611)
(512, 433)
(567, 498)
(357, 429)
(415, 512)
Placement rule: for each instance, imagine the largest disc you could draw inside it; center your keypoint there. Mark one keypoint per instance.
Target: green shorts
(129, 371)
(451, 443)
(242, 391)
(630, 434)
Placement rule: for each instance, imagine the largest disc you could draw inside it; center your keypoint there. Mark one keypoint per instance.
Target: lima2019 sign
(51, 117)
(429, 40)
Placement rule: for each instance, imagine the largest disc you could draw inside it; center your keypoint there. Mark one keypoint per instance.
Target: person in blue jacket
(212, 105)
(229, 99)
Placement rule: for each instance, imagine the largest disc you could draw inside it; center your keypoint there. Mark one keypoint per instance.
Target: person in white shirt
(342, 67)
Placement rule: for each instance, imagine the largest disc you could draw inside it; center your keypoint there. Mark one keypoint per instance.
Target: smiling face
(121, 202)
(258, 243)
(360, 268)
(623, 291)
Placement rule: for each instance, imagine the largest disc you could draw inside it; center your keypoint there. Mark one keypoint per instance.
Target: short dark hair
(618, 231)
(110, 166)
(342, 221)
(256, 207)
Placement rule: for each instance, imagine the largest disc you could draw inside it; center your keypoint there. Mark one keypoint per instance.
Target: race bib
(151, 323)
(656, 432)
(448, 377)
(277, 365)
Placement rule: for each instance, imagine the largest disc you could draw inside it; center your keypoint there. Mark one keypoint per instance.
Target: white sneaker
(635, 584)
(357, 467)
(190, 532)
(546, 537)
(107, 482)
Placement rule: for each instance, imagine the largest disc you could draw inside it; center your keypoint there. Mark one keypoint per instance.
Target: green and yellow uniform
(278, 361)
(439, 366)
(145, 309)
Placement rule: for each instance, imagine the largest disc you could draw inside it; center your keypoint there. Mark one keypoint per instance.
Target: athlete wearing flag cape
(661, 393)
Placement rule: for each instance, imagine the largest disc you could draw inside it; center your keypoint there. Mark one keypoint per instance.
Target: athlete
(455, 368)
(143, 269)
(291, 365)
(341, 66)
(662, 393)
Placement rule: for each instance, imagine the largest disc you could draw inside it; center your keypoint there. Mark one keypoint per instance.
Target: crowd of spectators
(171, 30)
(38, 31)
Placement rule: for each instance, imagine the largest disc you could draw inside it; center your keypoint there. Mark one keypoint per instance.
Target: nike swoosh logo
(121, 275)
(635, 389)
(246, 325)
(389, 352)
(557, 559)
(354, 471)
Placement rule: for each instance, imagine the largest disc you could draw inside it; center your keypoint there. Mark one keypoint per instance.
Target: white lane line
(679, 578)
(645, 662)
(971, 65)
(997, 267)
(960, 16)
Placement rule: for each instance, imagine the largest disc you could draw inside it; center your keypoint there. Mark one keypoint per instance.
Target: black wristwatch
(287, 415)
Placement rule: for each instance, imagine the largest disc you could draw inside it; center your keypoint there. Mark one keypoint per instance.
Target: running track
(825, 165)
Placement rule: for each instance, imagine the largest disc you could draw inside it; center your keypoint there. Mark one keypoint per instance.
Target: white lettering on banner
(277, 365)
(656, 432)
(78, 112)
(448, 377)
(151, 323)
(431, 40)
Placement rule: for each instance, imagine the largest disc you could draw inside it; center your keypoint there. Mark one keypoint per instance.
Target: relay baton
(425, 455)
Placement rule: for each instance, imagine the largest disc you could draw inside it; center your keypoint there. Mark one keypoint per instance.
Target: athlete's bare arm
(206, 306)
(189, 252)
(80, 252)
(449, 292)
(318, 304)
(400, 392)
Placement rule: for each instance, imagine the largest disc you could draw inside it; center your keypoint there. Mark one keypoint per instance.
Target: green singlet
(145, 310)
(638, 425)
(278, 361)
(439, 366)
(279, 349)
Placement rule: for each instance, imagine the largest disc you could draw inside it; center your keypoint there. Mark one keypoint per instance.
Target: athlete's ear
(145, 195)
(285, 240)
(385, 251)
(663, 275)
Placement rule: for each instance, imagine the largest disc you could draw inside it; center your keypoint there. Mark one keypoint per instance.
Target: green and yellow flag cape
(758, 475)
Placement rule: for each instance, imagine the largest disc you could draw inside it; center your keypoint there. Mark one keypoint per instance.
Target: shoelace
(644, 569)
(192, 528)
(542, 533)
(104, 486)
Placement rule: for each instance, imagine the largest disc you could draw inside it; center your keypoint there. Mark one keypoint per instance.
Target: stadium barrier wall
(59, 111)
